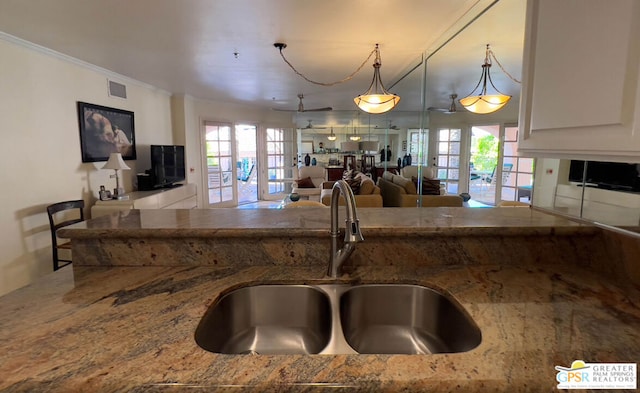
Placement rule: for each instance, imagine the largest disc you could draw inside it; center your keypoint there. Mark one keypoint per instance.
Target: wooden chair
(60, 215)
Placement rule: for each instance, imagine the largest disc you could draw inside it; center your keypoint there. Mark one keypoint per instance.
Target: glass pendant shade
(377, 99)
(376, 103)
(484, 104)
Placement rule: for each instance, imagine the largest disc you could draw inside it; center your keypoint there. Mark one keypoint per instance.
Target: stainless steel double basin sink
(336, 319)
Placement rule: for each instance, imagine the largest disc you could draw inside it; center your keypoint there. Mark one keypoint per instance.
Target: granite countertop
(132, 329)
(386, 221)
(533, 283)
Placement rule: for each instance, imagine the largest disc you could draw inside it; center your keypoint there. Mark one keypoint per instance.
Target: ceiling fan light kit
(480, 101)
(377, 99)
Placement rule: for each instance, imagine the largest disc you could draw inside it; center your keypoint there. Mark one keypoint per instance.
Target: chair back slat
(52, 211)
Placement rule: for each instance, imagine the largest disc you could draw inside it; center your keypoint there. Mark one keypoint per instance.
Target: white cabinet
(183, 197)
(580, 91)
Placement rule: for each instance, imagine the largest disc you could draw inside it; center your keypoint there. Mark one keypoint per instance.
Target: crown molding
(80, 63)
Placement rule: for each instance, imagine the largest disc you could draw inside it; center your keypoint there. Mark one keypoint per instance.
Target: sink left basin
(267, 319)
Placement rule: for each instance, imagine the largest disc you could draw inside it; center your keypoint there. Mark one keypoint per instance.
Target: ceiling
(223, 49)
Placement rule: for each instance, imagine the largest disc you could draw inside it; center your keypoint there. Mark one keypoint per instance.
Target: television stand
(163, 198)
(611, 206)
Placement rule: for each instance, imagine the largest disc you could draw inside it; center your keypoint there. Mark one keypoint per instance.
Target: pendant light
(332, 136)
(484, 101)
(376, 99)
(355, 137)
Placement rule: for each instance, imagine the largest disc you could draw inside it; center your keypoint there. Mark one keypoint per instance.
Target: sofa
(367, 193)
(398, 191)
(429, 172)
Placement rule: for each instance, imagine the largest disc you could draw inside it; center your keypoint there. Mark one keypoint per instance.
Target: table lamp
(116, 162)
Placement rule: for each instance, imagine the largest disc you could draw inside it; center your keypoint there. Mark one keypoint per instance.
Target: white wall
(41, 161)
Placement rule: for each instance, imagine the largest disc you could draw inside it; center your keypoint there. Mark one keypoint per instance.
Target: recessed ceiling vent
(117, 90)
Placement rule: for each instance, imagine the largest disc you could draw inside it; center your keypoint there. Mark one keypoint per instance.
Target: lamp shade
(369, 146)
(484, 104)
(376, 99)
(349, 146)
(115, 162)
(377, 103)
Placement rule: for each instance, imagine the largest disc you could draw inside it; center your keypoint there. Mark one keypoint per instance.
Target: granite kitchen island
(543, 290)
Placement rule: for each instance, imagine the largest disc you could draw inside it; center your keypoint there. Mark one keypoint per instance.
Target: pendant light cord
(345, 79)
(493, 56)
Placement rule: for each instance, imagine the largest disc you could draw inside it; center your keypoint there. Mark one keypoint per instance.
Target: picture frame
(105, 130)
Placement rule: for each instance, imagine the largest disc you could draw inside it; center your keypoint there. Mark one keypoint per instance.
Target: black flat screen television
(608, 175)
(167, 165)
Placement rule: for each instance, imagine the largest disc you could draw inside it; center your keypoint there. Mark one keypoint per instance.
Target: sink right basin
(405, 319)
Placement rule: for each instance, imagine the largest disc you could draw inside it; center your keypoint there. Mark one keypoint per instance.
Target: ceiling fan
(391, 127)
(301, 107)
(452, 108)
(312, 127)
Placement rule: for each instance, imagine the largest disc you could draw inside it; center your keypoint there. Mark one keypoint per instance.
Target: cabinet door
(580, 79)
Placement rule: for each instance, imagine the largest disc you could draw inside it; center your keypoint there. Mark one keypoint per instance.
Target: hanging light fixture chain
(493, 56)
(345, 79)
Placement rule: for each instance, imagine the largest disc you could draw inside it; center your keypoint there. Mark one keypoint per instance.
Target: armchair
(308, 181)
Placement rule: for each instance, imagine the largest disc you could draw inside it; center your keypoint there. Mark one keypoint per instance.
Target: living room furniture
(398, 191)
(368, 194)
(349, 162)
(334, 173)
(181, 197)
(607, 206)
(524, 192)
(308, 183)
(60, 215)
(411, 172)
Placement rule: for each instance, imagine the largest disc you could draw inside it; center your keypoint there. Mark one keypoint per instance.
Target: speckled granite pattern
(131, 329)
(543, 290)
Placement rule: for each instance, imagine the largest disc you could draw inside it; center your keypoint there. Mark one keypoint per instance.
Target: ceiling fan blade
(325, 109)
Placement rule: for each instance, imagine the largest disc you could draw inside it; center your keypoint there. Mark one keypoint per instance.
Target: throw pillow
(352, 179)
(305, 183)
(366, 185)
(407, 184)
(429, 186)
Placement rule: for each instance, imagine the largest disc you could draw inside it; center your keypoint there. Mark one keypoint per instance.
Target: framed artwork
(104, 131)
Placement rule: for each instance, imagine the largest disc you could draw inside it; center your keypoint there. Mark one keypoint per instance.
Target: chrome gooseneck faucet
(352, 230)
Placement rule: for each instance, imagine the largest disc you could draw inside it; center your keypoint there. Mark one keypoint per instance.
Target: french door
(233, 160)
(448, 158)
(496, 173)
(219, 167)
(280, 152)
